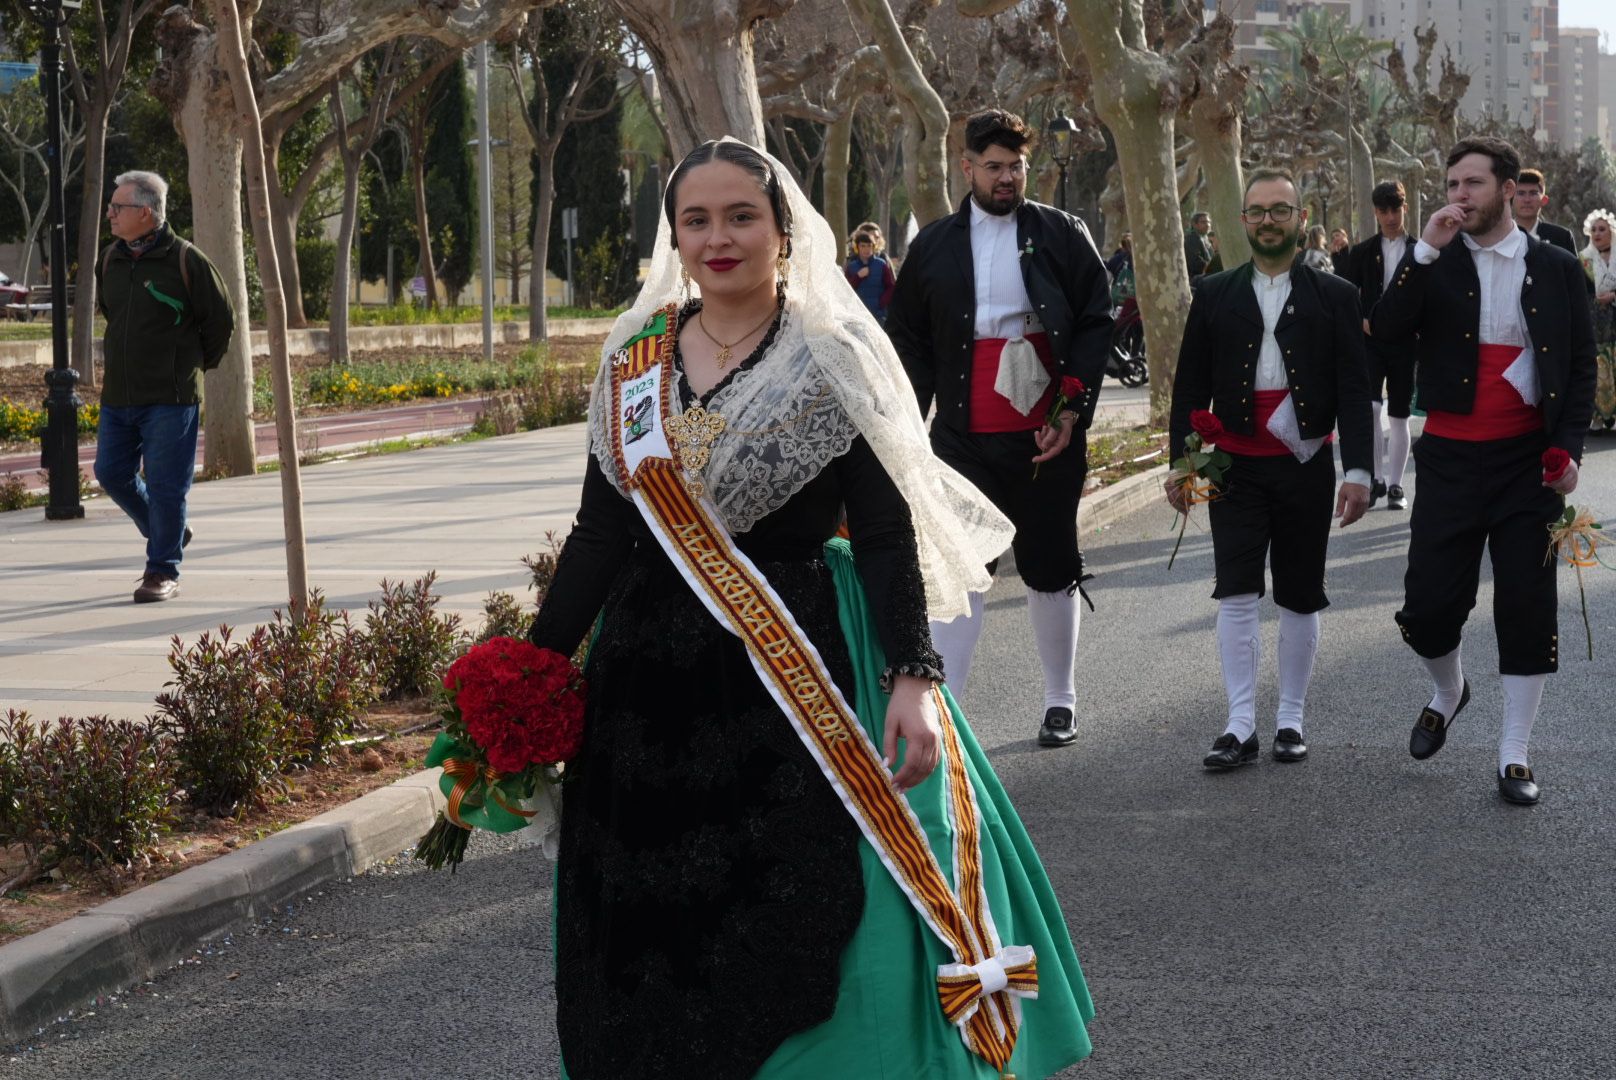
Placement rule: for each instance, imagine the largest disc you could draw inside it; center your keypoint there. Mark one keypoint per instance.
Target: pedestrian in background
(871, 277)
(169, 319)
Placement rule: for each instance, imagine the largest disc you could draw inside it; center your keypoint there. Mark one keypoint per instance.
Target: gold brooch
(693, 433)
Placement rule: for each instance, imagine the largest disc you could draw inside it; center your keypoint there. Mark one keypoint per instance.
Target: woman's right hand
(1606, 297)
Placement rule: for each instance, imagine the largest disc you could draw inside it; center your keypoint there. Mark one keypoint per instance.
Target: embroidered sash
(979, 993)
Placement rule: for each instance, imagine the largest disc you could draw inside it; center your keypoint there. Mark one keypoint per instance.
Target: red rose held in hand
(1071, 387)
(1555, 462)
(522, 705)
(1206, 425)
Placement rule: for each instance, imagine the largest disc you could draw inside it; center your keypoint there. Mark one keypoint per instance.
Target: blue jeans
(159, 441)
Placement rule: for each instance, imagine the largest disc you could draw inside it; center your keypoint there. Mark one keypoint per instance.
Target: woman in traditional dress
(734, 897)
(1601, 269)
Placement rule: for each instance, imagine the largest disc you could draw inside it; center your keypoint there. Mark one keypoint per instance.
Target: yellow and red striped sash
(979, 993)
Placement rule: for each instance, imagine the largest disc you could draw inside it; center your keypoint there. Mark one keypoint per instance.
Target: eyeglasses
(119, 207)
(996, 169)
(1253, 215)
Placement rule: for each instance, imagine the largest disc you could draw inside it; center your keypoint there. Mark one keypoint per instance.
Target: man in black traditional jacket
(1391, 363)
(1531, 196)
(1002, 318)
(1276, 349)
(1506, 375)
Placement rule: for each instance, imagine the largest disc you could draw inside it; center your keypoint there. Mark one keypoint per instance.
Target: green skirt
(888, 1023)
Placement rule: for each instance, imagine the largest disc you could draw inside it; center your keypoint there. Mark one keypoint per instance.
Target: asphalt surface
(1357, 915)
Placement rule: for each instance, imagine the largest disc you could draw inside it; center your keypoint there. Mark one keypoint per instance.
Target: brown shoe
(155, 587)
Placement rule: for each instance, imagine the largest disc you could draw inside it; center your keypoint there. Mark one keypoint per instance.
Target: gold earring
(782, 267)
(684, 281)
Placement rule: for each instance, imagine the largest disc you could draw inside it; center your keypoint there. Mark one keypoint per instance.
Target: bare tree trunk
(233, 57)
(1362, 209)
(283, 213)
(90, 211)
(1216, 127)
(858, 76)
(423, 226)
(543, 209)
(351, 160)
(925, 142)
(704, 56)
(203, 111)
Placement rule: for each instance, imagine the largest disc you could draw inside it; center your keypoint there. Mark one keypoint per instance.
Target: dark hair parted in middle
(1506, 162)
(737, 154)
(996, 127)
(1388, 195)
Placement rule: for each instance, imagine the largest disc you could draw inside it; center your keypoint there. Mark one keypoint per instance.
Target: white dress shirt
(1272, 293)
(1391, 253)
(1501, 269)
(1002, 307)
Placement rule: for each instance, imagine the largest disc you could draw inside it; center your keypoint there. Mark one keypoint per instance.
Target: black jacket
(164, 327)
(1366, 269)
(1321, 336)
(1442, 304)
(1558, 235)
(1197, 253)
(932, 320)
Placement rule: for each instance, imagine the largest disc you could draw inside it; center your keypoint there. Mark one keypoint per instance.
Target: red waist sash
(1499, 412)
(1262, 443)
(992, 411)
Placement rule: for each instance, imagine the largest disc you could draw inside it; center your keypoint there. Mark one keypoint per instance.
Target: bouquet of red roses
(1574, 536)
(514, 716)
(1199, 472)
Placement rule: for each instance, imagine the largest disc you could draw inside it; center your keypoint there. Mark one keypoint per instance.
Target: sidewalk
(73, 643)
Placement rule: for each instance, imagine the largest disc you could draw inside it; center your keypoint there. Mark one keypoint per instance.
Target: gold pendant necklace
(725, 352)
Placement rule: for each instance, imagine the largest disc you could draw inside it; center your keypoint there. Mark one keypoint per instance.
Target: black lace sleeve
(883, 537)
(601, 538)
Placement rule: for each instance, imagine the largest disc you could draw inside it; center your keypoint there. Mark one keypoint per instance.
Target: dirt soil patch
(1118, 454)
(195, 838)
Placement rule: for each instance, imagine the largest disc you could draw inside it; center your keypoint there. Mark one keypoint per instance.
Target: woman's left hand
(912, 717)
(1606, 297)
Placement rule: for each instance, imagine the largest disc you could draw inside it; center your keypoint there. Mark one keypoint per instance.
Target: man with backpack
(169, 319)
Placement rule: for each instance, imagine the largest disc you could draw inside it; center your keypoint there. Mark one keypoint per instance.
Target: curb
(133, 937)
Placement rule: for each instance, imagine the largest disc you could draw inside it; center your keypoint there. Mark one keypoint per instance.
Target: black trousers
(1475, 495)
(1043, 508)
(1274, 510)
(1391, 369)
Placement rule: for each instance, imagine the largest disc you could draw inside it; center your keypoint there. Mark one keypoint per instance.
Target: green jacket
(162, 330)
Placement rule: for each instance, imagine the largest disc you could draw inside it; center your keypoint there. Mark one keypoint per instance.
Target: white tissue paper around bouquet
(544, 827)
(1022, 377)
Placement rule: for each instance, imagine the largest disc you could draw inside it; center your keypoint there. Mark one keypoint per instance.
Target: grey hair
(151, 191)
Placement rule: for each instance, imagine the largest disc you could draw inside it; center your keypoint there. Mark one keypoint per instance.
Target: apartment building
(1580, 87)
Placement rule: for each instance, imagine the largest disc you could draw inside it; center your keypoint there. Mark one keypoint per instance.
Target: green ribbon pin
(163, 298)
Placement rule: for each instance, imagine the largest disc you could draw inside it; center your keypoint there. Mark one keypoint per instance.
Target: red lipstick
(722, 265)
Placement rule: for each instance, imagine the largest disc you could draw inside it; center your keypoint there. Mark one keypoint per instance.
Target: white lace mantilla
(782, 425)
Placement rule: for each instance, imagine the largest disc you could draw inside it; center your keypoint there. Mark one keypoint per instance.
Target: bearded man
(1506, 375)
(1002, 316)
(1276, 349)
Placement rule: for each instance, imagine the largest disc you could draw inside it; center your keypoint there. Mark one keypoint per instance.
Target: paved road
(1359, 915)
(316, 431)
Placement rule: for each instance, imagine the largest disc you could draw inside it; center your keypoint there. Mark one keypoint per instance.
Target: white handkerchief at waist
(1022, 377)
(1522, 375)
(1284, 426)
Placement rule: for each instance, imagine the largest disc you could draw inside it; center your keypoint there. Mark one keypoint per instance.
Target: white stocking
(1522, 695)
(1447, 673)
(1396, 450)
(1239, 646)
(1379, 471)
(1055, 618)
(1298, 645)
(956, 641)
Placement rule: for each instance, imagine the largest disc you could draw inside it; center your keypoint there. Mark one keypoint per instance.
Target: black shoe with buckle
(1288, 745)
(1377, 491)
(1431, 729)
(1516, 785)
(1058, 728)
(1395, 499)
(1230, 753)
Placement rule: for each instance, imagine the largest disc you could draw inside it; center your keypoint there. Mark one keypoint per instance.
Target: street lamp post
(1061, 131)
(60, 451)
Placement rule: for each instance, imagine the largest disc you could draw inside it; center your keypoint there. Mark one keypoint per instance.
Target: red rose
(1206, 425)
(521, 705)
(1555, 463)
(1071, 387)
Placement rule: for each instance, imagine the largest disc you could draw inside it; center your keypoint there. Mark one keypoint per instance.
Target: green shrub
(95, 789)
(316, 269)
(503, 616)
(13, 496)
(410, 642)
(322, 670)
(230, 731)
